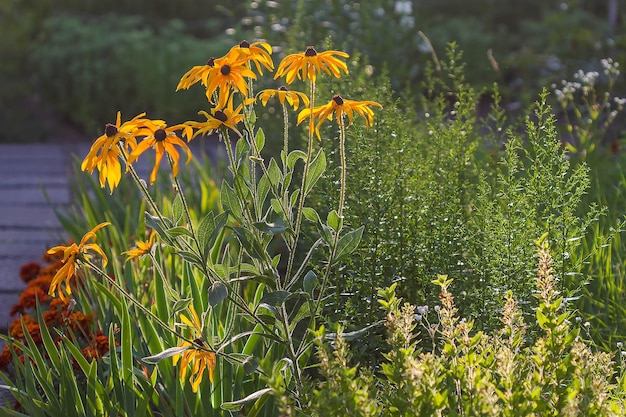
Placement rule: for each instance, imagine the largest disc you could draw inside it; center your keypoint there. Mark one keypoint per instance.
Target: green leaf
(273, 173)
(249, 242)
(263, 189)
(275, 298)
(275, 228)
(230, 202)
(348, 243)
(259, 140)
(293, 157)
(316, 169)
(155, 223)
(242, 149)
(177, 209)
(250, 365)
(191, 257)
(178, 231)
(334, 221)
(311, 214)
(167, 353)
(180, 305)
(309, 282)
(236, 405)
(217, 293)
(209, 229)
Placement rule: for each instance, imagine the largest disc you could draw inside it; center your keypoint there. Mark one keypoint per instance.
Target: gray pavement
(34, 180)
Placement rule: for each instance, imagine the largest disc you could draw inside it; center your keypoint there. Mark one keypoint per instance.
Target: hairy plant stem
(140, 184)
(305, 173)
(342, 153)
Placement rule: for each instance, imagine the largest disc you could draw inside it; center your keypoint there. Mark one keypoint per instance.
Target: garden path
(34, 181)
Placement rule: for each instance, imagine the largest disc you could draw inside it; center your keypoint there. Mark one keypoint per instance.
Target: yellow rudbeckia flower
(227, 116)
(201, 358)
(338, 107)
(71, 255)
(195, 74)
(308, 63)
(162, 138)
(104, 153)
(292, 97)
(257, 52)
(142, 247)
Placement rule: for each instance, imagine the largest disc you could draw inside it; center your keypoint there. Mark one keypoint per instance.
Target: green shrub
(87, 66)
(469, 372)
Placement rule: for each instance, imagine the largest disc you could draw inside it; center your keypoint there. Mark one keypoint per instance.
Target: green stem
(342, 153)
(140, 184)
(305, 174)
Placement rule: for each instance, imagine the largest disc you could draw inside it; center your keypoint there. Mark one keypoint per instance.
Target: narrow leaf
(236, 405)
(167, 353)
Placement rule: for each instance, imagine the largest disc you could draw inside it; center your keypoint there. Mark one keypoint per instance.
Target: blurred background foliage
(76, 62)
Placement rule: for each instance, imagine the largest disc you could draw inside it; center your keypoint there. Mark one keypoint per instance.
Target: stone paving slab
(28, 217)
(35, 195)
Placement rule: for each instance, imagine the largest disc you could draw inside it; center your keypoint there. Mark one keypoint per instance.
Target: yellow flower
(225, 117)
(228, 73)
(142, 247)
(104, 153)
(71, 254)
(162, 139)
(195, 74)
(201, 358)
(292, 97)
(257, 52)
(308, 63)
(338, 107)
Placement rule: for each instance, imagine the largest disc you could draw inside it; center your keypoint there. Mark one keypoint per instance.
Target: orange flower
(308, 63)
(6, 357)
(72, 254)
(29, 271)
(79, 321)
(162, 138)
(338, 107)
(142, 247)
(29, 297)
(16, 330)
(196, 354)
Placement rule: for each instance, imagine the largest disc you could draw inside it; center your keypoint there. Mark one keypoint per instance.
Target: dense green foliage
(512, 213)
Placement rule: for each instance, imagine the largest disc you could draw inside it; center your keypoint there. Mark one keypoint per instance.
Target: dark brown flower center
(282, 88)
(225, 70)
(198, 342)
(110, 130)
(221, 116)
(244, 44)
(160, 135)
(310, 51)
(338, 100)
(211, 62)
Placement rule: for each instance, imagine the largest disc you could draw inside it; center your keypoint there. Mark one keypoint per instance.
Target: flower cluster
(224, 79)
(227, 81)
(56, 313)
